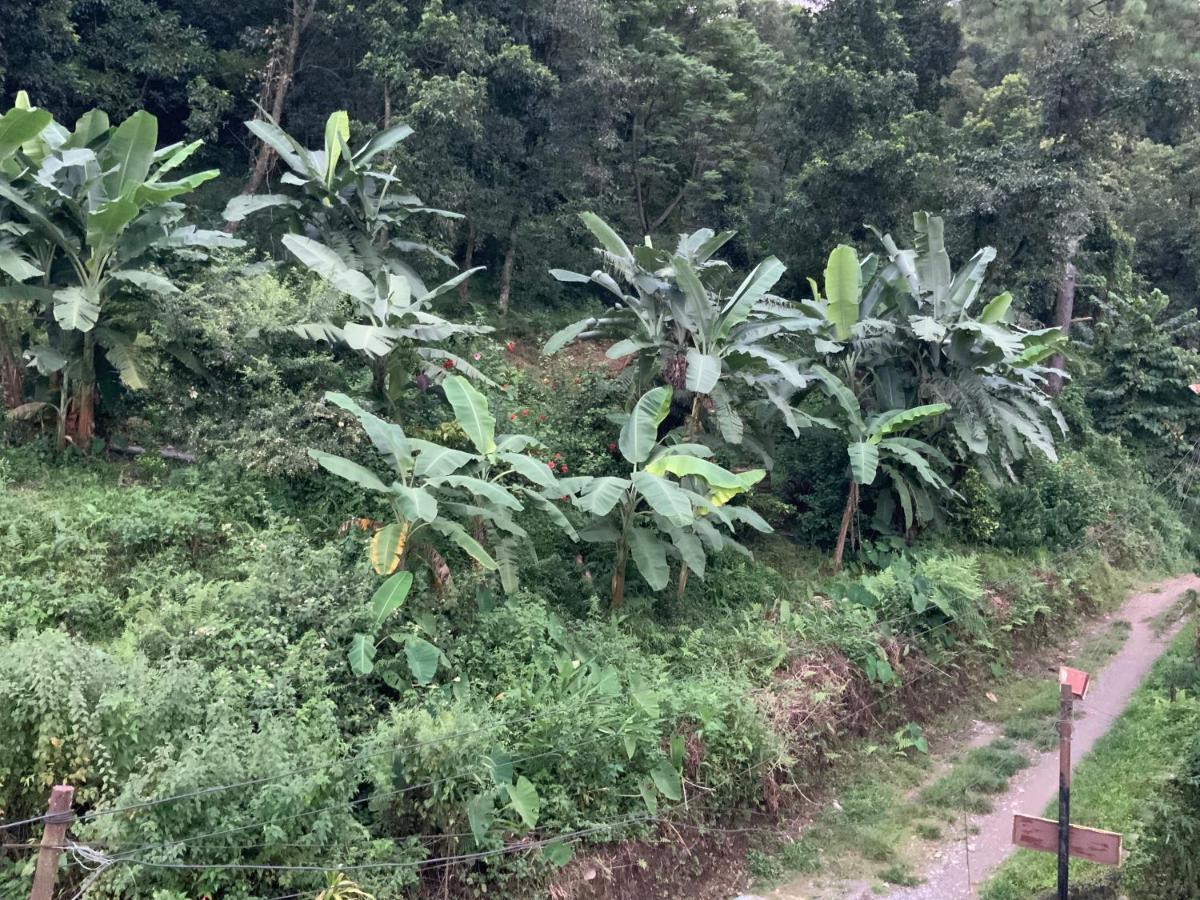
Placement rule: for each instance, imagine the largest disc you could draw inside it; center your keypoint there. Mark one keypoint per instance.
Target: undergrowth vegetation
(322, 569)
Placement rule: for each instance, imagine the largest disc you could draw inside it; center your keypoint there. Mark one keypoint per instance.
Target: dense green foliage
(436, 589)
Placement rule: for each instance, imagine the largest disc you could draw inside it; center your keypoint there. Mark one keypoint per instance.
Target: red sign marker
(1036, 833)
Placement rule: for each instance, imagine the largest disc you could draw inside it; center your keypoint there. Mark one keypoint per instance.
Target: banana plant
(97, 212)
(441, 496)
(873, 445)
(680, 315)
(352, 206)
(919, 327)
(392, 315)
(652, 515)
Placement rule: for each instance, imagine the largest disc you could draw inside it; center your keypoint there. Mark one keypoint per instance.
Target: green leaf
(472, 413)
(649, 797)
(496, 493)
(16, 264)
(559, 853)
(422, 658)
(837, 390)
(564, 336)
(757, 284)
(996, 309)
(337, 132)
(696, 296)
(18, 126)
(247, 204)
(664, 497)
(523, 797)
(127, 155)
(568, 277)
(436, 461)
(626, 347)
(107, 223)
(77, 308)
(481, 812)
(387, 437)
(500, 767)
(351, 471)
(691, 465)
(602, 494)
(281, 142)
(864, 459)
(362, 654)
(900, 419)
(650, 555)
(643, 696)
(531, 469)
(417, 504)
(149, 281)
(843, 287)
(690, 550)
(390, 596)
(703, 372)
(609, 239)
(326, 264)
(382, 143)
(120, 350)
(640, 432)
(667, 780)
(468, 544)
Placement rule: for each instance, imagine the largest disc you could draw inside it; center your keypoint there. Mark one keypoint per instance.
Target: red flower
(524, 412)
(558, 456)
(612, 446)
(447, 364)
(564, 498)
(551, 465)
(542, 417)
(510, 346)
(563, 468)
(513, 417)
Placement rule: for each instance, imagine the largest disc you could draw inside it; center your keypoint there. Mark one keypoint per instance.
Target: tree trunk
(1064, 309)
(11, 385)
(85, 397)
(277, 81)
(618, 575)
(468, 257)
(693, 428)
(506, 270)
(847, 519)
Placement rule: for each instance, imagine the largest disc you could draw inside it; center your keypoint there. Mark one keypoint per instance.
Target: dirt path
(945, 870)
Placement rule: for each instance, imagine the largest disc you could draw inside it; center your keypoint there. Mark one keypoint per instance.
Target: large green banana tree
(442, 496)
(670, 504)
(97, 214)
(683, 317)
(922, 330)
(18, 126)
(340, 195)
(874, 445)
(393, 325)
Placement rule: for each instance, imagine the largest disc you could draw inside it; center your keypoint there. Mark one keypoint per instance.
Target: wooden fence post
(1066, 701)
(58, 816)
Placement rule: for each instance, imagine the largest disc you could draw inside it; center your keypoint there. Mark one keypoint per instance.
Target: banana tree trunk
(11, 386)
(618, 576)
(85, 396)
(847, 518)
(693, 428)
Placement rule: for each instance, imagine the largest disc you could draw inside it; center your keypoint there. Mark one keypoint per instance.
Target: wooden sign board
(1079, 681)
(1035, 833)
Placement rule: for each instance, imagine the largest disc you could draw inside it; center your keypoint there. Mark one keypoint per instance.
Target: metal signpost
(1061, 837)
